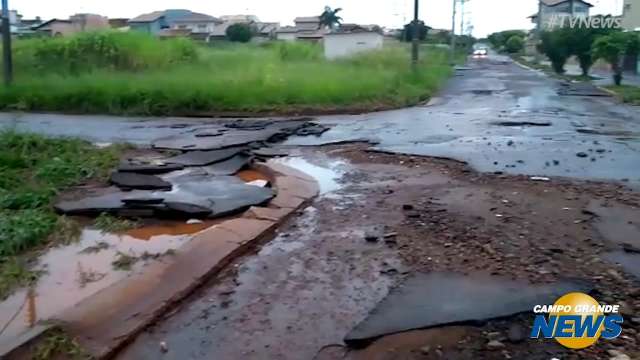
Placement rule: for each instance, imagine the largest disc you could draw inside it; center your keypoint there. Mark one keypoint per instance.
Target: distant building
(351, 39)
(631, 15)
(309, 23)
(197, 23)
(239, 19)
(75, 24)
(550, 8)
(287, 33)
(156, 21)
(119, 23)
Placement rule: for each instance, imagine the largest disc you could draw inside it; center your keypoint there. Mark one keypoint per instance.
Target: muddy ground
(303, 291)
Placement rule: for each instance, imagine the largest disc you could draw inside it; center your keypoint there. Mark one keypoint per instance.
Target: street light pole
(6, 44)
(462, 17)
(453, 33)
(415, 45)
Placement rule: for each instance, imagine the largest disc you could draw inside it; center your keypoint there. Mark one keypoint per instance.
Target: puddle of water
(79, 270)
(326, 176)
(251, 175)
(155, 232)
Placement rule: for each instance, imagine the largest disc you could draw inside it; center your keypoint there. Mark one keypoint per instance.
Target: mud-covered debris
(128, 180)
(495, 345)
(582, 154)
(516, 334)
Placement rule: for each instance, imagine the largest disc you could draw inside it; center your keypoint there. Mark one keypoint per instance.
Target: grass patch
(57, 344)
(250, 78)
(14, 273)
(629, 94)
(124, 262)
(111, 224)
(34, 170)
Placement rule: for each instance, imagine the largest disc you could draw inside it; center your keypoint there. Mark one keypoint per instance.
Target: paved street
(442, 188)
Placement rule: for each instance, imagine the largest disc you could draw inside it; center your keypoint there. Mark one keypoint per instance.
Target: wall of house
(202, 27)
(62, 29)
(579, 9)
(344, 45)
(307, 26)
(286, 36)
(631, 17)
(148, 27)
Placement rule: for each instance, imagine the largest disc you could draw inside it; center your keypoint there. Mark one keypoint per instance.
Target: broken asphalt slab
(202, 158)
(129, 180)
(432, 299)
(201, 196)
(241, 133)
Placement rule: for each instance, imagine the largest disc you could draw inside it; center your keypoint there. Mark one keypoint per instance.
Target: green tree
(515, 44)
(239, 33)
(613, 47)
(499, 40)
(556, 45)
(581, 39)
(329, 18)
(407, 32)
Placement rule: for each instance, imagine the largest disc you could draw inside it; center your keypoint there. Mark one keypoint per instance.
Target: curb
(107, 321)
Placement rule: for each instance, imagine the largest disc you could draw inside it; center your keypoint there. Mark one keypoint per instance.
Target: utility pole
(415, 46)
(6, 44)
(453, 33)
(462, 17)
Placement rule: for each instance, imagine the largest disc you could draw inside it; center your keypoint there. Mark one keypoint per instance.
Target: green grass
(56, 344)
(34, 169)
(248, 78)
(111, 224)
(629, 94)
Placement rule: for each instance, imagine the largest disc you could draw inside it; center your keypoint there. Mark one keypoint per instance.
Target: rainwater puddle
(79, 270)
(326, 175)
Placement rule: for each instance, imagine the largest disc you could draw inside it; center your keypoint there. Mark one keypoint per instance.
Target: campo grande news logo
(577, 321)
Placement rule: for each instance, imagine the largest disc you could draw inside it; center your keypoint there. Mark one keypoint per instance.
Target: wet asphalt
(493, 114)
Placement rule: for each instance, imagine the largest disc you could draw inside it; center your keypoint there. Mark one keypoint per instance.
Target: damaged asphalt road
(389, 217)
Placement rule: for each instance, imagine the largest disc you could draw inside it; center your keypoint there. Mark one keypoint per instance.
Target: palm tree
(330, 18)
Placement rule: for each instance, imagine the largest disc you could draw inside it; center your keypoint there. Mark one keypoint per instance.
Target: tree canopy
(239, 33)
(329, 18)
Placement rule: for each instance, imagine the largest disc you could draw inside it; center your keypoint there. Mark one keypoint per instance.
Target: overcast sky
(486, 16)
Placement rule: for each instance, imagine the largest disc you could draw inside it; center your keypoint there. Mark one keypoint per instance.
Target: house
(197, 23)
(309, 23)
(547, 9)
(631, 15)
(239, 19)
(287, 33)
(156, 21)
(351, 39)
(119, 23)
(75, 24)
(266, 30)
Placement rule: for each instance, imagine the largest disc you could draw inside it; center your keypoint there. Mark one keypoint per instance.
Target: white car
(480, 53)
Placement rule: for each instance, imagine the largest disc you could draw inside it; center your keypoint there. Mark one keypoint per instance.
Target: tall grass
(279, 76)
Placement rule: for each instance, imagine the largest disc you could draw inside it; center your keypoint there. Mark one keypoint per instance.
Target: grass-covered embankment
(33, 170)
(628, 93)
(128, 73)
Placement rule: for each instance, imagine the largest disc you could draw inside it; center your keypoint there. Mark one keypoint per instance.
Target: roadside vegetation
(628, 94)
(130, 73)
(34, 170)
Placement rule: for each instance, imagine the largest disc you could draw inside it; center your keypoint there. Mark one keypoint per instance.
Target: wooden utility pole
(6, 44)
(415, 46)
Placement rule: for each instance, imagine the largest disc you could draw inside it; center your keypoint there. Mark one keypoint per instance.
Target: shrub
(297, 51)
(613, 47)
(111, 50)
(239, 33)
(515, 44)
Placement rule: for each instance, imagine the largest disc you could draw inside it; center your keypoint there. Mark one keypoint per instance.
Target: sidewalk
(604, 77)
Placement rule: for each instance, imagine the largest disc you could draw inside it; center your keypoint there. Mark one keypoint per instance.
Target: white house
(287, 33)
(196, 23)
(346, 42)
